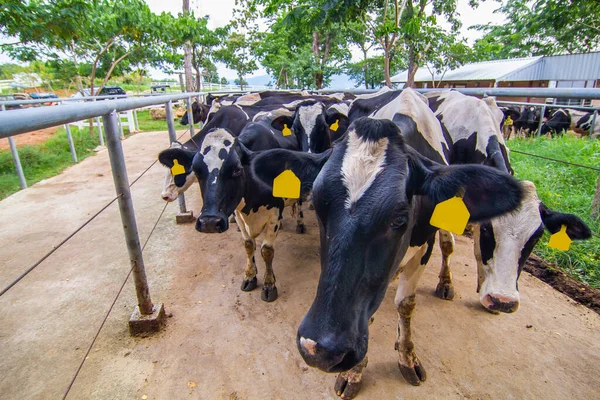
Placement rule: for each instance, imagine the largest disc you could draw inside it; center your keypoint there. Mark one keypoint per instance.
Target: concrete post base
(144, 325)
(184, 218)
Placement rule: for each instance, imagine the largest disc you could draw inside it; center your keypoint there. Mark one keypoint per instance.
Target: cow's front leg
(269, 290)
(445, 288)
(250, 282)
(348, 383)
(410, 366)
(300, 227)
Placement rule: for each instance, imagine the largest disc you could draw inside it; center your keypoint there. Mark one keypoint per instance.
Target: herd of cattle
(374, 167)
(554, 121)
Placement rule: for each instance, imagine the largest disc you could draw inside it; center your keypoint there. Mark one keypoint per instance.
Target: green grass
(567, 189)
(44, 160)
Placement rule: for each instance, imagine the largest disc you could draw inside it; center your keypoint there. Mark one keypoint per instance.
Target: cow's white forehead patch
(342, 108)
(308, 118)
(212, 148)
(363, 160)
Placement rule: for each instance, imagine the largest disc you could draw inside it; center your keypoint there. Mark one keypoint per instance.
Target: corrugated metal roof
(481, 71)
(569, 67)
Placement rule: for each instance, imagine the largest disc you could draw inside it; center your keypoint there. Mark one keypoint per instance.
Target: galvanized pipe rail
(147, 317)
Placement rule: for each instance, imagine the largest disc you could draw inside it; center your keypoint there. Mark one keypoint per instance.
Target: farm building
(563, 71)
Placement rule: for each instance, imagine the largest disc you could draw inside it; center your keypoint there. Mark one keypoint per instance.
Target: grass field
(50, 158)
(567, 189)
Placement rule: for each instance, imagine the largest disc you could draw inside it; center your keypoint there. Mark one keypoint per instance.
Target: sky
(220, 13)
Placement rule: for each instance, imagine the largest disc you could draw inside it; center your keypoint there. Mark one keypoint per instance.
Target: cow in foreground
(369, 197)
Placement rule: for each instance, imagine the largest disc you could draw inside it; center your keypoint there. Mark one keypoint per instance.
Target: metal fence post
(135, 121)
(146, 317)
(541, 120)
(100, 137)
(190, 116)
(71, 144)
(184, 215)
(16, 160)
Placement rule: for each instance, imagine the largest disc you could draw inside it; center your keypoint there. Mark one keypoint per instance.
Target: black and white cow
(418, 126)
(231, 118)
(221, 166)
(370, 197)
(199, 113)
(511, 114)
(564, 119)
(502, 245)
(529, 120)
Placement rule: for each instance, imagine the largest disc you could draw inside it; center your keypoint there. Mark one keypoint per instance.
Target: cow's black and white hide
(221, 167)
(369, 198)
(503, 244)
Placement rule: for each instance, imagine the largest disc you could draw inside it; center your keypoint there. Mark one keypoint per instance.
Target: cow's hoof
(414, 375)
(445, 290)
(301, 228)
(311, 207)
(346, 389)
(249, 285)
(238, 229)
(269, 293)
(232, 220)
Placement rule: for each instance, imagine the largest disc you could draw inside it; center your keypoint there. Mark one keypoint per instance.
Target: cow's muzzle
(328, 357)
(212, 224)
(500, 303)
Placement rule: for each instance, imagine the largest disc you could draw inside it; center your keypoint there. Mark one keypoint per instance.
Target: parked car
(43, 96)
(106, 91)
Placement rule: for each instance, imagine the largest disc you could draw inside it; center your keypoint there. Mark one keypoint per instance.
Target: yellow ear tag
(508, 121)
(286, 185)
(560, 240)
(335, 126)
(177, 169)
(286, 131)
(451, 215)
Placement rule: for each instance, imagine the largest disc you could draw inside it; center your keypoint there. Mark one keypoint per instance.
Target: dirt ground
(221, 343)
(30, 138)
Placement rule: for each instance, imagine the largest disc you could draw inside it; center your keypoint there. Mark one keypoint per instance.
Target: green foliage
(224, 81)
(564, 188)
(541, 27)
(372, 71)
(235, 54)
(9, 69)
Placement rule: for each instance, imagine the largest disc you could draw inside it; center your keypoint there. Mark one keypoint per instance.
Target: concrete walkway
(224, 343)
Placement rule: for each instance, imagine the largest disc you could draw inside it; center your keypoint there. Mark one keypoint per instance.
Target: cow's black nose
(211, 224)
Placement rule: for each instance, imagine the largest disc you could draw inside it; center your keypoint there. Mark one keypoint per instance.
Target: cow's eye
(399, 223)
(237, 171)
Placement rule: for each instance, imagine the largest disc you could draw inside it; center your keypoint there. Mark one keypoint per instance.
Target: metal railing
(14, 122)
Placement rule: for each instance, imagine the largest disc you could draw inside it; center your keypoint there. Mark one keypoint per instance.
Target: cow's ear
(280, 122)
(554, 220)
(244, 153)
(267, 165)
(486, 192)
(184, 158)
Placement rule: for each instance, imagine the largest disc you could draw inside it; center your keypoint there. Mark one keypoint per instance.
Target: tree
(542, 27)
(224, 81)
(445, 53)
(235, 54)
(103, 34)
(372, 75)
(312, 41)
